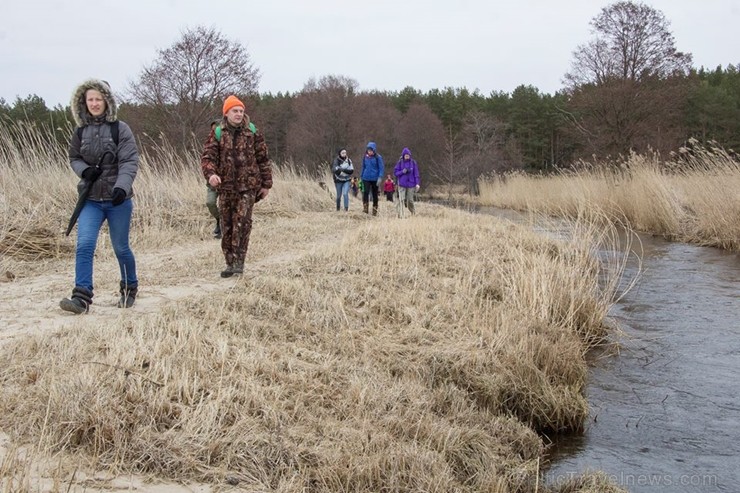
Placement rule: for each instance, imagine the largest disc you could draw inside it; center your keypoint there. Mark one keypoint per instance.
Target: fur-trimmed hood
(79, 107)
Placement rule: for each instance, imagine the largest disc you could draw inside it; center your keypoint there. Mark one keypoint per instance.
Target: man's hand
(214, 181)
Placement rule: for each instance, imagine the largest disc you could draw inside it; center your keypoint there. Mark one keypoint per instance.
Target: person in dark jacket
(237, 165)
(407, 172)
(372, 176)
(341, 170)
(212, 198)
(111, 167)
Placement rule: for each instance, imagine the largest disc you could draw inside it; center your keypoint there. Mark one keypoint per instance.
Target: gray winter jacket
(119, 170)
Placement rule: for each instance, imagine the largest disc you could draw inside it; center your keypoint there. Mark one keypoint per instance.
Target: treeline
(458, 135)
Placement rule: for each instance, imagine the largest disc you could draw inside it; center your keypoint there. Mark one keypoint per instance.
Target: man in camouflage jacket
(235, 161)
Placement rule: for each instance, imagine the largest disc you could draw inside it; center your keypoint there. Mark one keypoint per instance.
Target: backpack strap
(114, 132)
(217, 130)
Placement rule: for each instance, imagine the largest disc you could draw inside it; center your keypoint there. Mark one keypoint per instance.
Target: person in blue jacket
(372, 176)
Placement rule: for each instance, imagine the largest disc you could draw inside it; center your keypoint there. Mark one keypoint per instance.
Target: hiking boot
(217, 230)
(375, 210)
(237, 269)
(128, 295)
(365, 207)
(74, 305)
(228, 271)
(79, 302)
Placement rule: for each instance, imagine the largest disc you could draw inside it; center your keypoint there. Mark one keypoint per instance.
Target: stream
(665, 409)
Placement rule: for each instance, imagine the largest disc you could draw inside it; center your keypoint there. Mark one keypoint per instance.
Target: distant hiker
(372, 176)
(341, 170)
(407, 172)
(235, 161)
(212, 197)
(388, 188)
(353, 186)
(103, 153)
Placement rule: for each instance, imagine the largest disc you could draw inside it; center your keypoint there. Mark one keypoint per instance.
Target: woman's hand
(214, 181)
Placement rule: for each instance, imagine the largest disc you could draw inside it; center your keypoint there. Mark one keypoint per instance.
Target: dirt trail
(30, 305)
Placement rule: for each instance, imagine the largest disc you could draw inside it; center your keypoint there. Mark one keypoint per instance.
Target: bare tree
(625, 86)
(421, 131)
(187, 82)
(484, 141)
(632, 42)
(375, 119)
(323, 111)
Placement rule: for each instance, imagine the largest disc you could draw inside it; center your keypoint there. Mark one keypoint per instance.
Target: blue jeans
(88, 227)
(342, 191)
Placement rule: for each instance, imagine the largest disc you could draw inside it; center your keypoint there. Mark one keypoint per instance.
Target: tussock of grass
(697, 201)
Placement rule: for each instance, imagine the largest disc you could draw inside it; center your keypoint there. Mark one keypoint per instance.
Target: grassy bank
(356, 354)
(696, 202)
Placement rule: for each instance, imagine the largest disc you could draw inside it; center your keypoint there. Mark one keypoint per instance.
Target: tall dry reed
(696, 200)
(39, 193)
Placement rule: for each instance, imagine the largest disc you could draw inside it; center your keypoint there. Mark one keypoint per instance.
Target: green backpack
(217, 130)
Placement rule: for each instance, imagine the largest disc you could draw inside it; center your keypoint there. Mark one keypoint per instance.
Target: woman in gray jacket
(341, 170)
(103, 154)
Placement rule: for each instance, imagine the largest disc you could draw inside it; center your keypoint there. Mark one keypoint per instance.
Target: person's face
(343, 153)
(235, 115)
(407, 157)
(370, 152)
(95, 102)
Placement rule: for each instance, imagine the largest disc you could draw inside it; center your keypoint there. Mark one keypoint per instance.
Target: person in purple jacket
(407, 172)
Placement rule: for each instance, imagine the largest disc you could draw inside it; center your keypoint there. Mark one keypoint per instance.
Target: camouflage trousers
(235, 210)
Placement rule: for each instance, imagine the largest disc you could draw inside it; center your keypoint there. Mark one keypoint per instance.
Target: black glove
(92, 173)
(405, 170)
(118, 196)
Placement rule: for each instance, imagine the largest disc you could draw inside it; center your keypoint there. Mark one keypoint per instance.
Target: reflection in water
(665, 411)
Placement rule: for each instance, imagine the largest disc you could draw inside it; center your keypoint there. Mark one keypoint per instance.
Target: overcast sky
(48, 47)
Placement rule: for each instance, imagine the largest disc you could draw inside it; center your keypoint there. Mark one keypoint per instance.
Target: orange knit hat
(230, 102)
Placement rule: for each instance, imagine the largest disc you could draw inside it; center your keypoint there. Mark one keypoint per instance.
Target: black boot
(364, 207)
(128, 295)
(79, 302)
(375, 209)
(228, 271)
(217, 230)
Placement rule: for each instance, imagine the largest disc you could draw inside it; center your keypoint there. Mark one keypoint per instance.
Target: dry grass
(356, 354)
(697, 202)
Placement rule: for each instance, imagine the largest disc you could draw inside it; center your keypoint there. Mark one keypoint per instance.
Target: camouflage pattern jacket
(240, 159)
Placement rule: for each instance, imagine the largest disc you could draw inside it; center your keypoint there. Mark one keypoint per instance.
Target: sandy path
(30, 305)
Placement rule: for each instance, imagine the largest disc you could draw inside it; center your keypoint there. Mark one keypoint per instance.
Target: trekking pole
(401, 211)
